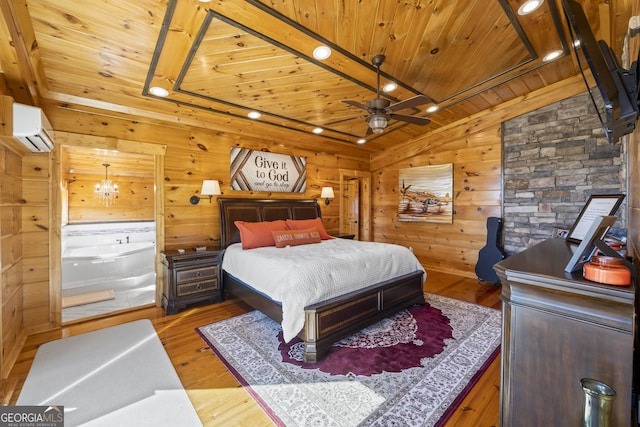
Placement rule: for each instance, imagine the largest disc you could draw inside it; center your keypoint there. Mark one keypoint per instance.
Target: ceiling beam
(18, 23)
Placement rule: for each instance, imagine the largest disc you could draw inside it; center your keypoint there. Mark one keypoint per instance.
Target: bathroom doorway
(108, 237)
(355, 204)
(350, 214)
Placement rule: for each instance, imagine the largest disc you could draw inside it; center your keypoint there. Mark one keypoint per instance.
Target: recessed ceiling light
(529, 6)
(317, 130)
(361, 141)
(433, 109)
(254, 115)
(321, 52)
(390, 87)
(552, 55)
(158, 91)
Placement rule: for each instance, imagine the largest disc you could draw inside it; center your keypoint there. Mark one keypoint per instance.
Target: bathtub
(112, 266)
(105, 251)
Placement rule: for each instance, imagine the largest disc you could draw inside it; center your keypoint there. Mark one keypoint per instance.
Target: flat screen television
(617, 86)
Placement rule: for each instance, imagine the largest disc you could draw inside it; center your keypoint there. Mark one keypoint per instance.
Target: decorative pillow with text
(296, 237)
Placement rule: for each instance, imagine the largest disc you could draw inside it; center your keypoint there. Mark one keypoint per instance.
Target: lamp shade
(210, 187)
(327, 193)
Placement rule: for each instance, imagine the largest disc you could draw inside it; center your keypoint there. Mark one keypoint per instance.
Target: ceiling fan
(381, 110)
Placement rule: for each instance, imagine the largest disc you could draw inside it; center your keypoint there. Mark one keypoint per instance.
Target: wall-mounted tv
(617, 86)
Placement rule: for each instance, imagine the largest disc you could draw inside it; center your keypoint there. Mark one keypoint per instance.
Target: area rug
(117, 376)
(413, 368)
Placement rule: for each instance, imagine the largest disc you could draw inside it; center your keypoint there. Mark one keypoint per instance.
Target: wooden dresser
(191, 277)
(557, 329)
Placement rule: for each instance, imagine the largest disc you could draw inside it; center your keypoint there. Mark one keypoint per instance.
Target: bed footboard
(337, 318)
(329, 321)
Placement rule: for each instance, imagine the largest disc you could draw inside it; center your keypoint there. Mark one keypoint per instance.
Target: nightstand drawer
(192, 274)
(197, 287)
(190, 277)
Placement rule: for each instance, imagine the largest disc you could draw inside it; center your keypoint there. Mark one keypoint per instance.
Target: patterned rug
(413, 368)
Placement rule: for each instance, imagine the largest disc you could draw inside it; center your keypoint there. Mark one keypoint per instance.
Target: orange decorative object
(607, 270)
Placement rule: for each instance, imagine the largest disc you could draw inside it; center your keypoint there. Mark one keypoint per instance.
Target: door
(350, 217)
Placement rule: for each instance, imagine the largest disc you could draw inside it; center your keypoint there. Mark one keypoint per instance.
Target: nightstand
(344, 236)
(191, 277)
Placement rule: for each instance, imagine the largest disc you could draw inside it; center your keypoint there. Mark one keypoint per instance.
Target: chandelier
(106, 191)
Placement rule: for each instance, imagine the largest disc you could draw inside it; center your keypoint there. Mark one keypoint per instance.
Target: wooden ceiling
(221, 59)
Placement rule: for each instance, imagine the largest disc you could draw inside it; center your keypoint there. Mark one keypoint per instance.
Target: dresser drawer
(196, 274)
(197, 287)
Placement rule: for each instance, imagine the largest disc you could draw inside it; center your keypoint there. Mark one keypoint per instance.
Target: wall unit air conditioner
(32, 128)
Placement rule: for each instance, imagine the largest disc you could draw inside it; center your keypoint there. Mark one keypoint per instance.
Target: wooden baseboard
(86, 298)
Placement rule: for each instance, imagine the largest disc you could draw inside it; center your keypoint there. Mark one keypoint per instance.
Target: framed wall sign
(597, 205)
(253, 170)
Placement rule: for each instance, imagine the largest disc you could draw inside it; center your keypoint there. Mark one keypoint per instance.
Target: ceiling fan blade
(411, 102)
(355, 104)
(411, 119)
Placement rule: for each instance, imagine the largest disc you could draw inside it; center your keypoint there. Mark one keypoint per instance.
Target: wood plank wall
(194, 154)
(191, 155)
(474, 146)
(134, 201)
(35, 242)
(12, 332)
(477, 184)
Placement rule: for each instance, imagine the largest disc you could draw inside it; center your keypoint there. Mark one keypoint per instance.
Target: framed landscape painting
(426, 194)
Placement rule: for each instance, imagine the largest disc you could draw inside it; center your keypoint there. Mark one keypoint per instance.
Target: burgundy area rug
(410, 369)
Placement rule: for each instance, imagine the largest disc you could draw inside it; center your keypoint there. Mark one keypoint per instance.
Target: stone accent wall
(553, 159)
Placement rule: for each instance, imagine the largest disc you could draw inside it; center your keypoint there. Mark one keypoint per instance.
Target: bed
(325, 321)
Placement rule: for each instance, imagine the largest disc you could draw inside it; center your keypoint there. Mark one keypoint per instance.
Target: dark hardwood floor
(215, 393)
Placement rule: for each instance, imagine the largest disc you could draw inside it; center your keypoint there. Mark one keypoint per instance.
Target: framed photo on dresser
(597, 205)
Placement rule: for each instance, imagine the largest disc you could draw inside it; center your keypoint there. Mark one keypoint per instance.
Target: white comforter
(297, 276)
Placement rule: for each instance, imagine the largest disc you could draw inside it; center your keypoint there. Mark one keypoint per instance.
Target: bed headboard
(255, 210)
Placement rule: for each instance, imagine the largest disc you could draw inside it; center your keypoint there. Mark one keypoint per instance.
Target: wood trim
(6, 116)
(109, 143)
(160, 234)
(105, 143)
(55, 239)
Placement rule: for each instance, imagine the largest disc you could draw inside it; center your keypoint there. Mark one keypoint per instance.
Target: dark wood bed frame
(328, 321)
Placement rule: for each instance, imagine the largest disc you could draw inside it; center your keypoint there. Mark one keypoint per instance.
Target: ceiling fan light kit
(377, 123)
(381, 110)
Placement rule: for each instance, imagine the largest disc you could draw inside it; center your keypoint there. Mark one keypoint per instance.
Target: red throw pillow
(258, 234)
(303, 224)
(296, 237)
